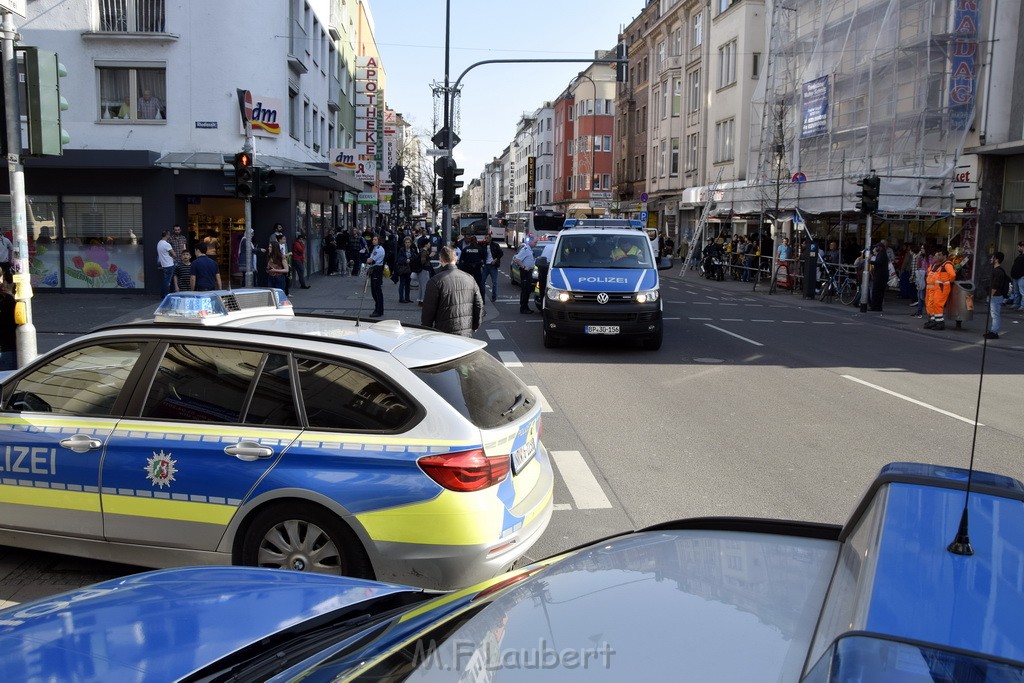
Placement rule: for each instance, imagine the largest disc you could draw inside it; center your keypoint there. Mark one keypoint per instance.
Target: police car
(603, 281)
(905, 591)
(229, 430)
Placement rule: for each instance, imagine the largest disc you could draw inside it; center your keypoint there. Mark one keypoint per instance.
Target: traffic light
(622, 67)
(265, 184)
(245, 175)
(870, 186)
(43, 102)
(451, 184)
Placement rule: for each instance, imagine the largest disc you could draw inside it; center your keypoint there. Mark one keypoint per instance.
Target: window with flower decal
(103, 247)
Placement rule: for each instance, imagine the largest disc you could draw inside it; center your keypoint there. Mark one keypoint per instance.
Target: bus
(537, 222)
(470, 223)
(498, 226)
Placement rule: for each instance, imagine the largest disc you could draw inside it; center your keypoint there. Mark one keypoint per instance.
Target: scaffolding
(856, 85)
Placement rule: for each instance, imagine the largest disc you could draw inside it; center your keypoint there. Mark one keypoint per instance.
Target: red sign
(247, 115)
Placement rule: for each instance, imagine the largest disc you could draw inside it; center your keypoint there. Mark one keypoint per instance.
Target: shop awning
(318, 174)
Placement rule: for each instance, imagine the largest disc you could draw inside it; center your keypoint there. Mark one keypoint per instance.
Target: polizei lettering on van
(594, 278)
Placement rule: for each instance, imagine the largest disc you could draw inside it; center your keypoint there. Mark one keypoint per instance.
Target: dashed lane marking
(510, 359)
(911, 400)
(733, 334)
(583, 486)
(495, 335)
(561, 506)
(545, 407)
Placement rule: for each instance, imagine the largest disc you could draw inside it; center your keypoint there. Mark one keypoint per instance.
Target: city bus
(537, 223)
(498, 226)
(470, 223)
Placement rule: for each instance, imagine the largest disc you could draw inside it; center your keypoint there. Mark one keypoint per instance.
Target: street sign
(644, 197)
(15, 6)
(643, 216)
(437, 152)
(799, 177)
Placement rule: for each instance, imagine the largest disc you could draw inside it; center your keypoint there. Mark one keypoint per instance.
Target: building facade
(155, 120)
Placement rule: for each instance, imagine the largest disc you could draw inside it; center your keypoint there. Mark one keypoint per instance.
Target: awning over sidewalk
(318, 174)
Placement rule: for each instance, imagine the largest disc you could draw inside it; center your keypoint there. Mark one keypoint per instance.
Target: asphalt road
(757, 404)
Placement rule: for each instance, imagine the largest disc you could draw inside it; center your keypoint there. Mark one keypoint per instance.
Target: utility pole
(446, 211)
(26, 332)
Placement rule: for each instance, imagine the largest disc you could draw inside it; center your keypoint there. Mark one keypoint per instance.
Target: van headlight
(650, 296)
(558, 294)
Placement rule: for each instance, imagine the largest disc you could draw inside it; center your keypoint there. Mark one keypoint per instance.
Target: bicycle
(841, 285)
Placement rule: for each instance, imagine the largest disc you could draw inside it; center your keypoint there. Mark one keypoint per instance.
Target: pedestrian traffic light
(43, 103)
(868, 195)
(265, 184)
(245, 176)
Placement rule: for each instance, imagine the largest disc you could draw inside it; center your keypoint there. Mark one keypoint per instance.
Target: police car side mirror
(541, 262)
(664, 262)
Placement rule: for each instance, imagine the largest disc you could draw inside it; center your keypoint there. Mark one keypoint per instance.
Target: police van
(603, 281)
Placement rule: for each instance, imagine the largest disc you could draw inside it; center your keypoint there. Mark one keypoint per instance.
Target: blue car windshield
(864, 657)
(603, 251)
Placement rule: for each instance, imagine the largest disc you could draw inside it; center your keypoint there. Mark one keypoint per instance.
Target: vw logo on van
(602, 298)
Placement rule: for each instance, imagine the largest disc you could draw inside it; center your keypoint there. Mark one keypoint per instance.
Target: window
(677, 42)
(664, 100)
(307, 123)
(660, 170)
(599, 107)
(727, 64)
(606, 181)
(698, 29)
(636, 168)
(342, 397)
(479, 387)
(198, 383)
(294, 119)
(132, 93)
(724, 131)
(677, 95)
(85, 381)
(724, 5)
(571, 146)
(659, 60)
(663, 159)
(643, 166)
(271, 402)
(674, 169)
(607, 143)
(755, 64)
(693, 91)
(597, 143)
(570, 110)
(692, 150)
(132, 16)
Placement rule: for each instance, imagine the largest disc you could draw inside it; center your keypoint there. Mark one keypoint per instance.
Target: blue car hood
(604, 279)
(160, 626)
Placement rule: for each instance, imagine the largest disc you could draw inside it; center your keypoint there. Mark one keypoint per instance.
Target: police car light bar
(220, 306)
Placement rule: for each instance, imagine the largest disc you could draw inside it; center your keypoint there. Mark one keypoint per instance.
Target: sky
(410, 39)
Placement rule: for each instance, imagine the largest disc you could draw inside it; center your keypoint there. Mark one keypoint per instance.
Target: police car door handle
(249, 451)
(81, 443)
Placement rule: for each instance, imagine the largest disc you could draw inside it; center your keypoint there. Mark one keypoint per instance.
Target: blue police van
(603, 281)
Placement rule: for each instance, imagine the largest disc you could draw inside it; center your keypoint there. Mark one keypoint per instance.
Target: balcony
(334, 21)
(676, 62)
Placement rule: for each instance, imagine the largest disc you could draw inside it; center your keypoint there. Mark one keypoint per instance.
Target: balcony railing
(132, 16)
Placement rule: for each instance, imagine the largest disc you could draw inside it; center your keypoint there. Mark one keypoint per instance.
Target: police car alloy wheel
(304, 538)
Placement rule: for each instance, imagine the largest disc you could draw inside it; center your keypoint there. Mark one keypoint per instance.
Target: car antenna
(961, 544)
(362, 298)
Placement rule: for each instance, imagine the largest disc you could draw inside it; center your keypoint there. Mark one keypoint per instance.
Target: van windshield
(603, 251)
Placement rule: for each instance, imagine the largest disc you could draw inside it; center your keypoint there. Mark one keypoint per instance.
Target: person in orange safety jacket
(939, 280)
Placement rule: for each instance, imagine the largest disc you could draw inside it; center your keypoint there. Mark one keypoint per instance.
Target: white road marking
(761, 320)
(701, 318)
(545, 407)
(911, 400)
(823, 322)
(671, 318)
(794, 321)
(733, 334)
(510, 359)
(494, 335)
(561, 506)
(583, 486)
(732, 320)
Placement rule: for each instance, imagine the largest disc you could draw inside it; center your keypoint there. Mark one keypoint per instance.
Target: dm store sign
(267, 116)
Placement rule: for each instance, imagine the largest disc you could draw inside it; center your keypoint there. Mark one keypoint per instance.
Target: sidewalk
(77, 313)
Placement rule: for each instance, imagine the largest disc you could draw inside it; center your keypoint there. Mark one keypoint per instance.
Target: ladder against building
(702, 223)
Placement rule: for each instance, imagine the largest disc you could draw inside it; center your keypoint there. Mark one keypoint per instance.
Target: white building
(155, 119)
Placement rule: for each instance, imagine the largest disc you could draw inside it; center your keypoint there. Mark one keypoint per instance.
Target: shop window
(132, 93)
(103, 248)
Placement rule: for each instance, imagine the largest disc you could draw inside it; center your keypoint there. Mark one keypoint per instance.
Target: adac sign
(267, 116)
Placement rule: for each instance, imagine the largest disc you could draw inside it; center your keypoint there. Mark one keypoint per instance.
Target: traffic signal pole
(26, 332)
(867, 264)
(250, 144)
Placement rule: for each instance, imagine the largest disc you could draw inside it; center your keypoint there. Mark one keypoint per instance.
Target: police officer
(471, 259)
(376, 274)
(525, 260)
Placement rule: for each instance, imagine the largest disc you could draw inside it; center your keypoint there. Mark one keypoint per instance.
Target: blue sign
(815, 108)
(643, 216)
(644, 197)
(799, 177)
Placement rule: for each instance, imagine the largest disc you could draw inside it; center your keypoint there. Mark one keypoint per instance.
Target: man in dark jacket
(1017, 279)
(452, 302)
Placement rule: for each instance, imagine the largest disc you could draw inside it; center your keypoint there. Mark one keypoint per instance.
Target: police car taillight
(466, 470)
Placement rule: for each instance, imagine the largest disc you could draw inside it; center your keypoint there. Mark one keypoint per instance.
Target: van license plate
(602, 329)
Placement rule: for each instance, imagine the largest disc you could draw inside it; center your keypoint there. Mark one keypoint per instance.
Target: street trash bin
(960, 305)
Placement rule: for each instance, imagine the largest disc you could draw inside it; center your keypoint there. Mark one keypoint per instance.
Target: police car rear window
(482, 389)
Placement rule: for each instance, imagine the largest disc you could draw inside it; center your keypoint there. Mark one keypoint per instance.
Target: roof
(320, 173)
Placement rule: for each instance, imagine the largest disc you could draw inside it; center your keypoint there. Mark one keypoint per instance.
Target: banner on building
(814, 121)
(531, 180)
(366, 198)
